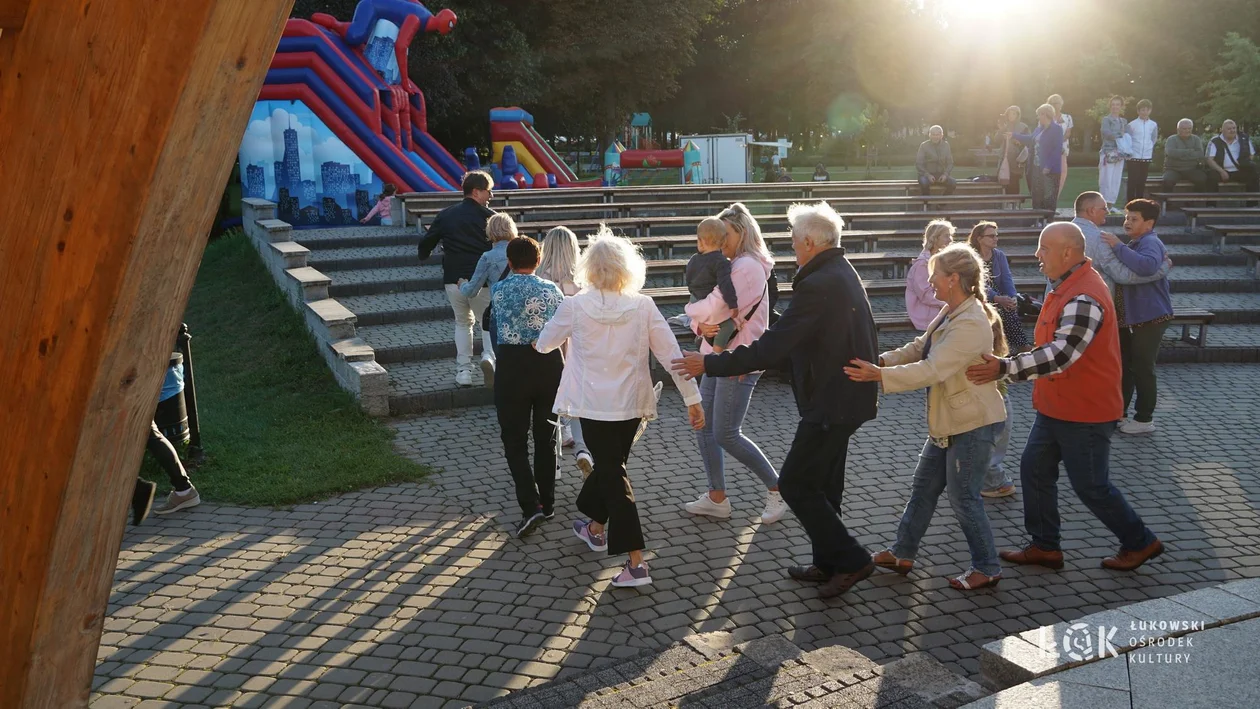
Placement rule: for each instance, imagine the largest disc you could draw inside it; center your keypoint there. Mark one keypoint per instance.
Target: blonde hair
(560, 252)
(1047, 110)
(711, 231)
(963, 260)
(819, 222)
(749, 231)
(935, 231)
(1008, 110)
(1056, 101)
(500, 227)
(611, 263)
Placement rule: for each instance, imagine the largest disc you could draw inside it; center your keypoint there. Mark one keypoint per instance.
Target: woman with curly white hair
(610, 328)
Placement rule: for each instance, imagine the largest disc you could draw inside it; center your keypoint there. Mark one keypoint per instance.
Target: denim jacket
(489, 267)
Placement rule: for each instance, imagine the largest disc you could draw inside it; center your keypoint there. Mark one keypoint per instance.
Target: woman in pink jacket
(921, 304)
(725, 399)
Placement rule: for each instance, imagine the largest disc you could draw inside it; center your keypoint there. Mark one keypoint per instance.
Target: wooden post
(120, 123)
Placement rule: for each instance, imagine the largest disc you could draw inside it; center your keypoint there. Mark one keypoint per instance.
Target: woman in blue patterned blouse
(526, 381)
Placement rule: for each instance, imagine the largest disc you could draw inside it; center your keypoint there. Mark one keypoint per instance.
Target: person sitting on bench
(934, 162)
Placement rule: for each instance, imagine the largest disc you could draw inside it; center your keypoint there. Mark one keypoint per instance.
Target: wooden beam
(13, 14)
(121, 122)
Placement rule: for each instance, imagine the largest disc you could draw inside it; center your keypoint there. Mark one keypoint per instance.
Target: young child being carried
(710, 269)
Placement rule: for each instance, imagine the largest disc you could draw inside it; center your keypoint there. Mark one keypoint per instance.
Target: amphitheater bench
(1223, 231)
(1193, 318)
(1194, 213)
(874, 287)
(1169, 199)
(1253, 259)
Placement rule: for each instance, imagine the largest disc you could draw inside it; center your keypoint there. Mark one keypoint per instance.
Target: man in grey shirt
(934, 162)
(1091, 214)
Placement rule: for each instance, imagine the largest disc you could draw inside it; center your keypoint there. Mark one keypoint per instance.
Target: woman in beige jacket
(962, 418)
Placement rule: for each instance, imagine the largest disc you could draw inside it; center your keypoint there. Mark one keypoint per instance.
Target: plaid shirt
(1081, 318)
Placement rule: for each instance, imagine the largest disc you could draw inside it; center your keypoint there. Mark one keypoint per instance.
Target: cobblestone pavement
(415, 595)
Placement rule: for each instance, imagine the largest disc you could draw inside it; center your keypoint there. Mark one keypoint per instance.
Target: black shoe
(142, 501)
(809, 573)
(839, 583)
(549, 514)
(529, 524)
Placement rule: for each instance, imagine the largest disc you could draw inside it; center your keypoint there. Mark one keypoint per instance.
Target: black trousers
(812, 484)
(606, 496)
(1248, 176)
(1135, 172)
(164, 452)
(525, 384)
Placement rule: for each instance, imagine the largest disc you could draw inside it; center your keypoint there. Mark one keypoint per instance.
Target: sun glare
(972, 13)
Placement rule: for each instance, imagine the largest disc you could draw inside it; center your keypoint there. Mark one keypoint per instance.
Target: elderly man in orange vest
(1076, 365)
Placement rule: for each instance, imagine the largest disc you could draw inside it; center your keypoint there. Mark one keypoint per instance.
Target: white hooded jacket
(606, 375)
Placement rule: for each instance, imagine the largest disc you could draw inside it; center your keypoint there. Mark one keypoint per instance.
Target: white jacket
(606, 375)
(1145, 135)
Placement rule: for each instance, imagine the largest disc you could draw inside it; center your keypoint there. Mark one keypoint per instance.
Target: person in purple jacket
(1143, 309)
(1047, 142)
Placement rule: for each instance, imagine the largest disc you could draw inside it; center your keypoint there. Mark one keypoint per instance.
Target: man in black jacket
(461, 229)
(827, 323)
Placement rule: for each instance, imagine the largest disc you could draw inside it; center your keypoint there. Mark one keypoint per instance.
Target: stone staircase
(365, 287)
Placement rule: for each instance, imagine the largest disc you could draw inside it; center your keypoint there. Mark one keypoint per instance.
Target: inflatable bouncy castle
(338, 117)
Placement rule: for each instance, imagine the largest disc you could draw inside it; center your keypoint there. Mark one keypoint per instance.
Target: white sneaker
(1134, 428)
(463, 377)
(775, 508)
(179, 501)
(487, 371)
(707, 507)
(682, 320)
(585, 464)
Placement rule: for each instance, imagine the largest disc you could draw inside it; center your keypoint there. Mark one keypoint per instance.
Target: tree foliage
(1235, 90)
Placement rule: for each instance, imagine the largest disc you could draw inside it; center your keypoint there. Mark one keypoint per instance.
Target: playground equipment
(338, 116)
(521, 158)
(618, 160)
(723, 158)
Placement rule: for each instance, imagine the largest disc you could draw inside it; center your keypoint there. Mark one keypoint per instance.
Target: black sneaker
(142, 500)
(529, 524)
(548, 514)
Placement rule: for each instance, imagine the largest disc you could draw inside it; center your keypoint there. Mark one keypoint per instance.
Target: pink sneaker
(597, 542)
(632, 576)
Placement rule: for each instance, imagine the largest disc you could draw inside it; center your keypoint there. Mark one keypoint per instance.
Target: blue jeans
(997, 476)
(958, 470)
(725, 402)
(1085, 449)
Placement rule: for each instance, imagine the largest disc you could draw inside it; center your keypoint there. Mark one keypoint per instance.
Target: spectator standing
(1144, 310)
(935, 162)
(1047, 143)
(526, 391)
(726, 399)
(1014, 156)
(560, 253)
(461, 231)
(1077, 333)
(1065, 122)
(1185, 158)
(1145, 134)
(1110, 161)
(827, 324)
(963, 418)
(921, 304)
(1231, 155)
(611, 327)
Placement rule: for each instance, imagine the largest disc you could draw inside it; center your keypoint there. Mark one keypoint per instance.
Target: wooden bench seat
(1253, 259)
(1167, 199)
(1220, 232)
(1195, 213)
(854, 240)
(874, 287)
(523, 212)
(1194, 323)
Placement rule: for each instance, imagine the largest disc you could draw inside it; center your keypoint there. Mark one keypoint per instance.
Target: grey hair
(1046, 109)
(500, 227)
(936, 128)
(1185, 120)
(818, 223)
(611, 264)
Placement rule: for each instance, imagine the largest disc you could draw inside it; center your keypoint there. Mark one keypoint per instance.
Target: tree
(874, 134)
(1235, 90)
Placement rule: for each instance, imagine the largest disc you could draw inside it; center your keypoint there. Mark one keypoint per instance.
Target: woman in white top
(610, 327)
(1064, 120)
(559, 265)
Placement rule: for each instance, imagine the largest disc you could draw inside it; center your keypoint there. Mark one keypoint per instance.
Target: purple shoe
(632, 576)
(597, 542)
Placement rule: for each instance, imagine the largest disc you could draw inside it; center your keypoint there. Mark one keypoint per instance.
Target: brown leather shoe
(839, 583)
(1035, 555)
(1129, 560)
